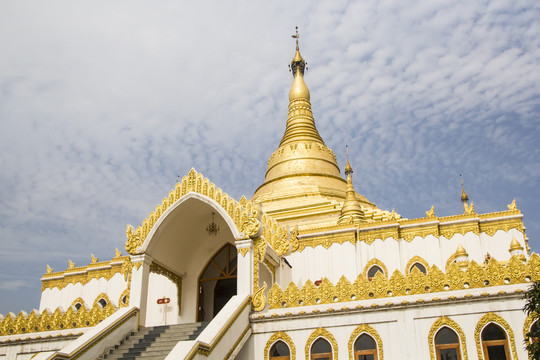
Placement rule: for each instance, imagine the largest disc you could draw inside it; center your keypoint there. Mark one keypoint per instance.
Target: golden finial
(117, 253)
(71, 264)
(464, 197)
(296, 36)
(298, 64)
(94, 259)
(49, 269)
(515, 245)
(431, 212)
(392, 215)
(348, 167)
(461, 251)
(512, 205)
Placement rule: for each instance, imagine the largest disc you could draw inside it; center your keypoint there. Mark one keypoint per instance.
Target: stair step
(154, 342)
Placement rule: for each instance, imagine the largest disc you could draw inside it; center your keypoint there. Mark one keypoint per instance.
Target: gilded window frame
(280, 336)
(365, 329)
(445, 321)
(325, 334)
(497, 320)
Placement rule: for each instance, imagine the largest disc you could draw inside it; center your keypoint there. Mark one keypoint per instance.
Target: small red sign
(163, 300)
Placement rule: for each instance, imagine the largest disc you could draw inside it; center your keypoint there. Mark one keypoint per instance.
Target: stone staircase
(153, 343)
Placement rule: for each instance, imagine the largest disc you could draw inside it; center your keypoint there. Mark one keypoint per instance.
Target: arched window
(494, 343)
(321, 350)
(447, 344)
(365, 348)
(280, 351)
(418, 266)
(373, 271)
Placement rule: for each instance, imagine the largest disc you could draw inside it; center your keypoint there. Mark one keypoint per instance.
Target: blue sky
(103, 104)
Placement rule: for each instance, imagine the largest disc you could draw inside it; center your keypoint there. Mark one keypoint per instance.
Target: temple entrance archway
(176, 253)
(217, 282)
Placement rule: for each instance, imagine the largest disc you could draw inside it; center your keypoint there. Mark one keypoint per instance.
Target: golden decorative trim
(415, 282)
(373, 262)
(414, 260)
(58, 320)
(158, 269)
(373, 234)
(125, 293)
(259, 253)
(240, 212)
(366, 329)
(527, 325)
(82, 274)
(448, 231)
(488, 223)
(243, 251)
(326, 241)
(491, 228)
(496, 319)
(441, 322)
(321, 333)
(258, 302)
(280, 335)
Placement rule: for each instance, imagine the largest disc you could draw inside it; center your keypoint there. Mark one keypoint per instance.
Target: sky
(103, 104)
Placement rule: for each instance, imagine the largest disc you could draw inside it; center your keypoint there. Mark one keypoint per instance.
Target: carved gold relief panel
(415, 282)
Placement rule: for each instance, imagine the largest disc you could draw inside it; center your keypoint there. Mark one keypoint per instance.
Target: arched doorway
(217, 283)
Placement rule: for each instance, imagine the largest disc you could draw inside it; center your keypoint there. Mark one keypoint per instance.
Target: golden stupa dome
(302, 163)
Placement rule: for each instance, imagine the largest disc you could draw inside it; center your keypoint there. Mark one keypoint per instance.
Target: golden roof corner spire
(464, 197)
(351, 212)
(467, 209)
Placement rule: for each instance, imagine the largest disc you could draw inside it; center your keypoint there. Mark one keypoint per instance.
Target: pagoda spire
(351, 212)
(300, 122)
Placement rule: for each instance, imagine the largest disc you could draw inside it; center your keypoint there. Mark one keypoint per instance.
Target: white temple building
(305, 268)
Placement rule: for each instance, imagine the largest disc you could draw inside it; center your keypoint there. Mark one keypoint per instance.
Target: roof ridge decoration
(242, 212)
